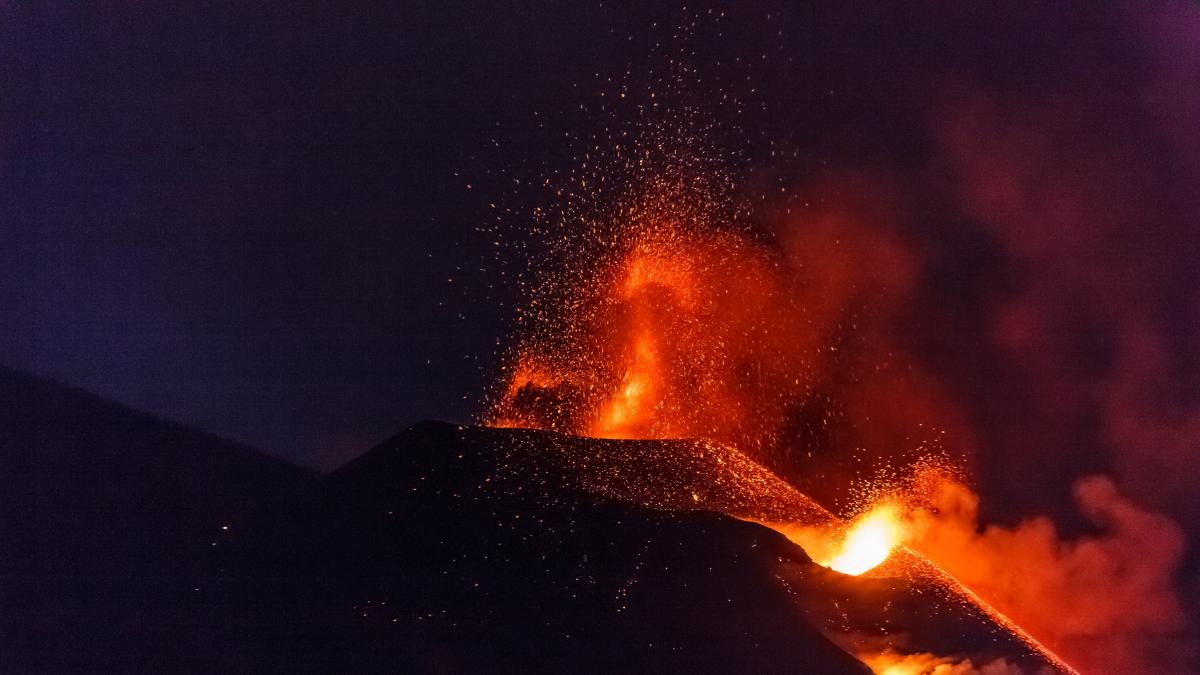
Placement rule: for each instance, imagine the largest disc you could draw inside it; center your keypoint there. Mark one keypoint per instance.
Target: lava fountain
(668, 317)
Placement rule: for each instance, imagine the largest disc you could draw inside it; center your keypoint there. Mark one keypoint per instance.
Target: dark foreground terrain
(128, 544)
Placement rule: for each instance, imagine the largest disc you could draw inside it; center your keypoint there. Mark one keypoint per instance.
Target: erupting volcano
(674, 320)
(670, 349)
(598, 338)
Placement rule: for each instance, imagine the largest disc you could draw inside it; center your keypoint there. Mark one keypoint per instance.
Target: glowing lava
(869, 541)
(669, 318)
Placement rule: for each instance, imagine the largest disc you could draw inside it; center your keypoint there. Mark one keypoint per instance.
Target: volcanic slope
(135, 545)
(502, 550)
(533, 496)
(470, 550)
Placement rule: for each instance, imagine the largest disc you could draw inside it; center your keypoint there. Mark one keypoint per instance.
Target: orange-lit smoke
(1106, 602)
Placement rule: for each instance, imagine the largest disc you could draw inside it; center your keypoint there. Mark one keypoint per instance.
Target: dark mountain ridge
(134, 545)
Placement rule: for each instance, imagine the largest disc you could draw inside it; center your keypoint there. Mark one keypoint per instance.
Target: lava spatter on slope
(923, 605)
(487, 550)
(904, 604)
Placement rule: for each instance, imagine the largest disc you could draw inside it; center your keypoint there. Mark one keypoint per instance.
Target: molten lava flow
(891, 663)
(869, 541)
(854, 548)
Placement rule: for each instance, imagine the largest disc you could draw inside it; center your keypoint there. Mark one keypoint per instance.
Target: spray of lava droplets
(666, 315)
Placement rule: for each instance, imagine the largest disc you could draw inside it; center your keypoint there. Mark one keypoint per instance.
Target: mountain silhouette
(130, 544)
(103, 512)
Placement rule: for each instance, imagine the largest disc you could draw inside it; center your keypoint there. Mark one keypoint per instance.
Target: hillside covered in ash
(134, 544)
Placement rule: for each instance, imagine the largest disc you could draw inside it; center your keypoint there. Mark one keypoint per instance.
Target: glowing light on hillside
(868, 542)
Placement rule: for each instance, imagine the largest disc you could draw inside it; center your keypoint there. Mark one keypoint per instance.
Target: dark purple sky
(254, 218)
(246, 217)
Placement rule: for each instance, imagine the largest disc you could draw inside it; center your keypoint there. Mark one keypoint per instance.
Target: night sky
(256, 219)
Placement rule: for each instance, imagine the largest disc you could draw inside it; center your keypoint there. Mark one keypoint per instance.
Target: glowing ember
(868, 542)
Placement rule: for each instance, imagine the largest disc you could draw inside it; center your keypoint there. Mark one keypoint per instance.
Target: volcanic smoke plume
(846, 330)
(1106, 601)
(677, 353)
